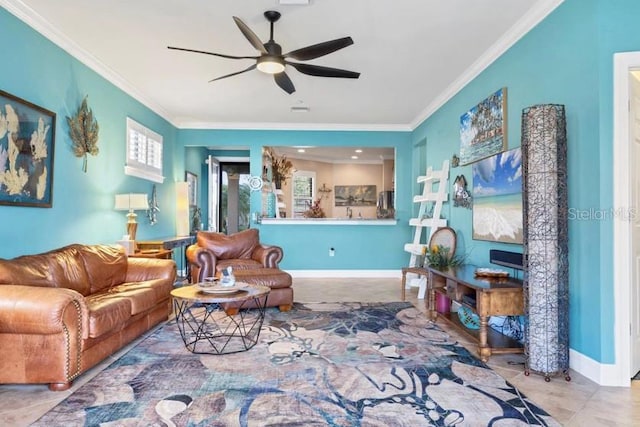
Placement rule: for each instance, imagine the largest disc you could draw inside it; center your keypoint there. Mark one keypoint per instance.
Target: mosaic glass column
(544, 161)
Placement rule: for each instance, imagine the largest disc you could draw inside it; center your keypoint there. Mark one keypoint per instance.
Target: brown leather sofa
(64, 311)
(251, 261)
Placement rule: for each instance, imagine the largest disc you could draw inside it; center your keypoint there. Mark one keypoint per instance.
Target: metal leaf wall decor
(83, 130)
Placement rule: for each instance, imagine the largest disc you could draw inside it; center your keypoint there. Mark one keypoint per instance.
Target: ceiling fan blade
(284, 82)
(320, 49)
(250, 35)
(320, 71)
(213, 53)
(234, 74)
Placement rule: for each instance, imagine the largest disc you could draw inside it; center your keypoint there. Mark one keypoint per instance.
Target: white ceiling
(413, 55)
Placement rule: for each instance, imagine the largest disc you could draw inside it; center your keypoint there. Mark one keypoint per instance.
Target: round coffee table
(212, 323)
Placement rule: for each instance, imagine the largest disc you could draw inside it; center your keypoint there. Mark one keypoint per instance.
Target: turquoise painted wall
(40, 72)
(306, 247)
(567, 59)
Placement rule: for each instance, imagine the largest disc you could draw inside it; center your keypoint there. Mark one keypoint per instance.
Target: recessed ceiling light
(301, 150)
(354, 157)
(358, 151)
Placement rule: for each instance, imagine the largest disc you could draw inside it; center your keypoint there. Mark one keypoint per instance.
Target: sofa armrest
(42, 310)
(202, 262)
(141, 269)
(269, 256)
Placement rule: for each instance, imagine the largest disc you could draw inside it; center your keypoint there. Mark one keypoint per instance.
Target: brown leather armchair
(214, 252)
(252, 262)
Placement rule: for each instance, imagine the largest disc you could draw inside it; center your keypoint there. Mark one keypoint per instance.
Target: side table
(171, 243)
(152, 253)
(208, 326)
(420, 271)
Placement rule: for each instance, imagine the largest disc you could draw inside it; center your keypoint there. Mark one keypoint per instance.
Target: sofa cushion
(143, 295)
(106, 266)
(107, 313)
(60, 268)
(234, 246)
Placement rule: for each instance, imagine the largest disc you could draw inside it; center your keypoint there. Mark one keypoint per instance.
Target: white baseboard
(603, 374)
(394, 274)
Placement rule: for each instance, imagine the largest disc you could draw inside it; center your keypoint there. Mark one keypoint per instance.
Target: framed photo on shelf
(192, 184)
(27, 138)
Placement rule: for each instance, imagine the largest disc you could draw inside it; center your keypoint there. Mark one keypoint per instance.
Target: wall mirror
(356, 183)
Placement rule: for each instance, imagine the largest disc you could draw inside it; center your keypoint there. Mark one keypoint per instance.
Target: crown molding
(44, 27)
(515, 33)
(297, 126)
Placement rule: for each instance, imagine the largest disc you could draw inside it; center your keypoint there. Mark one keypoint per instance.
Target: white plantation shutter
(144, 152)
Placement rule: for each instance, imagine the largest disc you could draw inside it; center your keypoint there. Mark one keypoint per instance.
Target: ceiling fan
(273, 61)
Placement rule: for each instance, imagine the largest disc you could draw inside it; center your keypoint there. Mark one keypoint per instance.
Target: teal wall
(40, 72)
(306, 247)
(567, 59)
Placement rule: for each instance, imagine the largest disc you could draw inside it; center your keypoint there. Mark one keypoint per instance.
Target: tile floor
(579, 402)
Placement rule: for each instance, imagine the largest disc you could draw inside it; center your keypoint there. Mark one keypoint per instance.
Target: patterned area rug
(349, 364)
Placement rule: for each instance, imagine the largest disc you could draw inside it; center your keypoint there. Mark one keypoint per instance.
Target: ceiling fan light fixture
(270, 64)
(272, 61)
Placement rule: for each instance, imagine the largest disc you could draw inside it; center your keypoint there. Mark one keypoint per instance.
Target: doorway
(626, 225)
(234, 196)
(634, 136)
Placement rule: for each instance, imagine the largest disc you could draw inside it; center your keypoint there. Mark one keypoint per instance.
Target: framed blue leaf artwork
(27, 136)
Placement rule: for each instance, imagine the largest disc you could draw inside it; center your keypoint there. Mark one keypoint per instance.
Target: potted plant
(314, 211)
(439, 257)
(281, 170)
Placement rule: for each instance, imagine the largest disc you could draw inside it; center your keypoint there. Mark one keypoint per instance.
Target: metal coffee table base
(206, 328)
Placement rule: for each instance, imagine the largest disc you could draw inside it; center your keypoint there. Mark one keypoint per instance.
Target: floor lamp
(546, 249)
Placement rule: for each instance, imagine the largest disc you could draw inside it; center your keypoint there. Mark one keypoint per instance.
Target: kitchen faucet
(349, 213)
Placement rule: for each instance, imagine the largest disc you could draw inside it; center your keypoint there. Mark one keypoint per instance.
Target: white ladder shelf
(434, 194)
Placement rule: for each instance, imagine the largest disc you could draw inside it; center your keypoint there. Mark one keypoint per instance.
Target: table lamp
(132, 202)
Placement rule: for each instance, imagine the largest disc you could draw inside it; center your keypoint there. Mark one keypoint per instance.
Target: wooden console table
(170, 243)
(152, 253)
(485, 296)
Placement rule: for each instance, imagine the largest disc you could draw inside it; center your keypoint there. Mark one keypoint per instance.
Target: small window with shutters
(144, 152)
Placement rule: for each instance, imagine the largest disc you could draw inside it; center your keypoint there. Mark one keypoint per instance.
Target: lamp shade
(131, 202)
(182, 209)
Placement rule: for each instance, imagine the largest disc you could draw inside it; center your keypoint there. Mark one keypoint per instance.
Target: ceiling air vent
(294, 2)
(299, 109)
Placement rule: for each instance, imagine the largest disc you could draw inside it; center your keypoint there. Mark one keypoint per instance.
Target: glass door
(214, 194)
(234, 197)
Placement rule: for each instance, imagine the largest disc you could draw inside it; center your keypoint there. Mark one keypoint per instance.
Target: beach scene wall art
(497, 198)
(483, 129)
